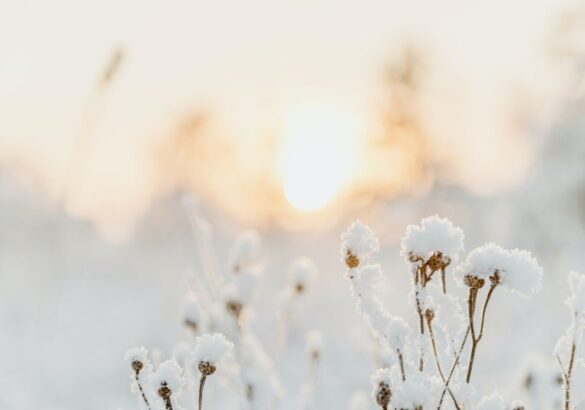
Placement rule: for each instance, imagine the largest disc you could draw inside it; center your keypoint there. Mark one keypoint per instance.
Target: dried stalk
(436, 354)
(455, 363)
(401, 361)
(472, 301)
(567, 375)
(201, 385)
(141, 390)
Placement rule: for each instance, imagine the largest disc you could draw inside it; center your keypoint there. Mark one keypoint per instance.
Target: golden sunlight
(319, 153)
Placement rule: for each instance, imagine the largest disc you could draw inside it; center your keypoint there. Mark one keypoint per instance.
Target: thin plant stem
(201, 385)
(436, 354)
(141, 390)
(401, 361)
(567, 376)
(168, 403)
(454, 366)
(476, 338)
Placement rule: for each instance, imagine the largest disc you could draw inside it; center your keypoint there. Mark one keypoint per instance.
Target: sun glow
(319, 155)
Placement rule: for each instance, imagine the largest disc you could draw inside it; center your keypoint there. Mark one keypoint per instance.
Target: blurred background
(288, 117)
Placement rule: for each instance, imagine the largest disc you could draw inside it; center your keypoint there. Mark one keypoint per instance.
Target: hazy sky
(249, 63)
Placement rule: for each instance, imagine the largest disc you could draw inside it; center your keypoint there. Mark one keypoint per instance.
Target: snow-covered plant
(429, 249)
(167, 381)
(357, 244)
(515, 270)
(381, 393)
(210, 351)
(566, 348)
(492, 402)
(137, 358)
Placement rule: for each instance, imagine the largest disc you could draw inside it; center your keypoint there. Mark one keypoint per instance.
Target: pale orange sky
(250, 63)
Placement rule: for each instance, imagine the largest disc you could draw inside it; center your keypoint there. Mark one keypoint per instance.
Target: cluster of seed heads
(474, 282)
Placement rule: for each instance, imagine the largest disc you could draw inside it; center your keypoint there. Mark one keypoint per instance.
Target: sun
(318, 155)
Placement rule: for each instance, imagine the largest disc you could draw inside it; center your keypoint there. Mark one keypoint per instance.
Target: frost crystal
(433, 235)
(365, 284)
(357, 244)
(212, 349)
(413, 394)
(397, 333)
(492, 402)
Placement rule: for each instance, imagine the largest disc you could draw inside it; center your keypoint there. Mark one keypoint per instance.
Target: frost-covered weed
(445, 333)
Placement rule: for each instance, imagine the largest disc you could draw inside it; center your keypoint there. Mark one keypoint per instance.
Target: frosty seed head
(516, 270)
(164, 391)
(429, 315)
(137, 366)
(206, 368)
(381, 392)
(357, 244)
(473, 282)
(436, 241)
(437, 261)
(137, 358)
(211, 350)
(168, 378)
(351, 260)
(383, 395)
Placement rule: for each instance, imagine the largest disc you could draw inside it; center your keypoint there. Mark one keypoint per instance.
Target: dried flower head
(137, 358)
(516, 270)
(212, 349)
(206, 368)
(357, 244)
(473, 282)
(435, 241)
(381, 393)
(168, 378)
